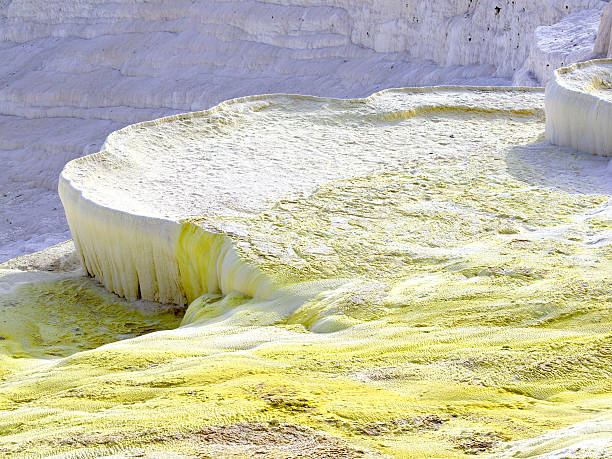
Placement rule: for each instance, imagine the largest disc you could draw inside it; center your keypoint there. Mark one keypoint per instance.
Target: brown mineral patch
(401, 425)
(282, 440)
(478, 442)
(153, 455)
(280, 401)
(283, 398)
(387, 373)
(272, 440)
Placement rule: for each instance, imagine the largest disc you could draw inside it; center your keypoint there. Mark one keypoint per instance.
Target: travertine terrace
(126, 204)
(355, 271)
(579, 107)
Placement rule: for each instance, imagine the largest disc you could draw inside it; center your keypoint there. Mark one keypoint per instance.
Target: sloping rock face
(579, 107)
(71, 72)
(563, 43)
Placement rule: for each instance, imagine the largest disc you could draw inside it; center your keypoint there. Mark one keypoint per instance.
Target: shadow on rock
(546, 165)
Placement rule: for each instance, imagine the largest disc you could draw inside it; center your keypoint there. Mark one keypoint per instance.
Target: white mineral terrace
(579, 107)
(352, 271)
(125, 204)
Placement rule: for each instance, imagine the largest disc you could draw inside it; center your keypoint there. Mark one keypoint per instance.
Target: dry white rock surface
(72, 72)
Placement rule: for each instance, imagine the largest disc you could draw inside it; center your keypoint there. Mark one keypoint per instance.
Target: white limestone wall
(566, 42)
(603, 44)
(131, 60)
(578, 106)
(449, 32)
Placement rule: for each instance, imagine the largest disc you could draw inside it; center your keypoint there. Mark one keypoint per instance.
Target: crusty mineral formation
(415, 274)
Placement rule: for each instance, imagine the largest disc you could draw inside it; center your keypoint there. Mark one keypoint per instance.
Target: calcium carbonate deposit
(579, 107)
(420, 272)
(73, 71)
(413, 274)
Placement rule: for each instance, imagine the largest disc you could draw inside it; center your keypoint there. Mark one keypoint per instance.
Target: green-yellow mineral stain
(55, 319)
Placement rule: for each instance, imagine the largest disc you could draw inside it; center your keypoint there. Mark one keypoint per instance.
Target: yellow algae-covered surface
(443, 290)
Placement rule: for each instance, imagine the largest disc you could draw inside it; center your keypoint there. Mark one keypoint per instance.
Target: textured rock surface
(579, 107)
(446, 297)
(568, 41)
(415, 274)
(72, 72)
(125, 204)
(603, 44)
